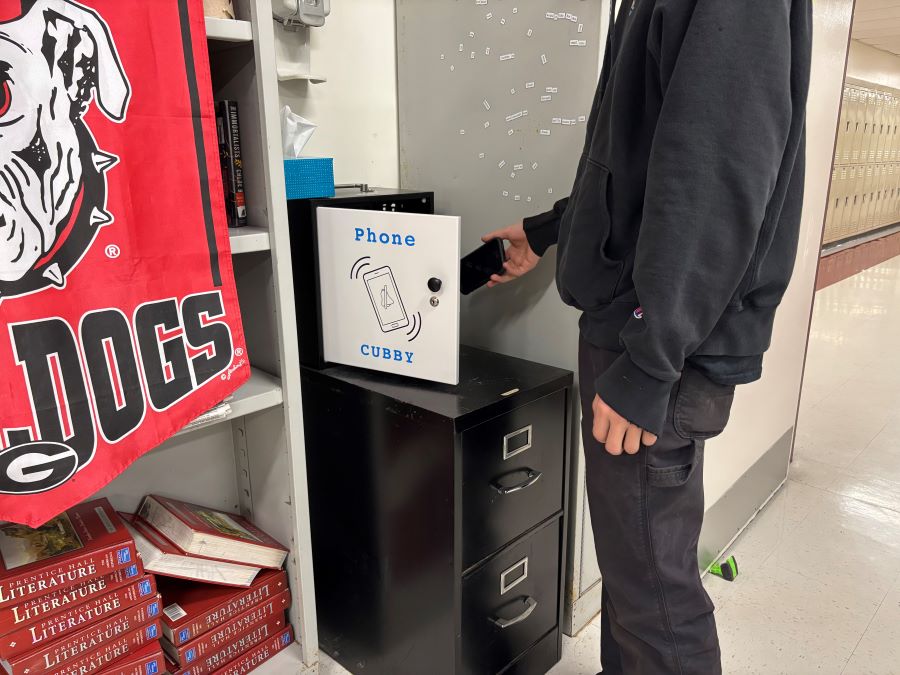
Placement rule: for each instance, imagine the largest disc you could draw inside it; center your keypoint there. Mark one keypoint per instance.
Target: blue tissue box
(309, 177)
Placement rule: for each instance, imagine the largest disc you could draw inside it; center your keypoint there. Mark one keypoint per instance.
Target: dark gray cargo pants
(646, 511)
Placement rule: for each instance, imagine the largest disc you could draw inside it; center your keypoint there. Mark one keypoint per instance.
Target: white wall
(766, 410)
(873, 65)
(356, 109)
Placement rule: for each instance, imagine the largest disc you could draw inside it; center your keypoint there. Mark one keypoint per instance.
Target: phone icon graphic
(386, 299)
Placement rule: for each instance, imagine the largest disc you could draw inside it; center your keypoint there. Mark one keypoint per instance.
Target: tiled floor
(819, 590)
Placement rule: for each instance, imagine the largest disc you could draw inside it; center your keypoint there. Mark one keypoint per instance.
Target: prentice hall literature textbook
(211, 533)
(220, 636)
(27, 611)
(94, 647)
(162, 557)
(191, 609)
(85, 542)
(53, 627)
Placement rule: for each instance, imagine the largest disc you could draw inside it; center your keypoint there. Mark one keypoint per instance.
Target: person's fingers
(503, 233)
(499, 279)
(615, 439)
(601, 428)
(648, 439)
(633, 439)
(511, 271)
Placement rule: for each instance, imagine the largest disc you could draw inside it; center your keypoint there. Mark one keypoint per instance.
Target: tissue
(219, 9)
(295, 132)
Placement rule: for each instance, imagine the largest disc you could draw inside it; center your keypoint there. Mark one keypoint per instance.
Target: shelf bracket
(242, 466)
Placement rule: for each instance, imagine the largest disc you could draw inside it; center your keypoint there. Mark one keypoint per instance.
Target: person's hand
(617, 433)
(520, 259)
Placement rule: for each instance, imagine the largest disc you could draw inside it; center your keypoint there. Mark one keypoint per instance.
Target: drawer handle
(530, 605)
(533, 477)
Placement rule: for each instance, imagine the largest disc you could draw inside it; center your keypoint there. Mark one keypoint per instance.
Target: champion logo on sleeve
(639, 313)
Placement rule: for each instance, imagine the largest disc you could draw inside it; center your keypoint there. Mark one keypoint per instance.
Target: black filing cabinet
(438, 516)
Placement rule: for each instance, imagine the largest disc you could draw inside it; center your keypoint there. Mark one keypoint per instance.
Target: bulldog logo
(56, 58)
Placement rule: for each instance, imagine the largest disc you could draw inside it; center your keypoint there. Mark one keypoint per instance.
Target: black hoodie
(679, 237)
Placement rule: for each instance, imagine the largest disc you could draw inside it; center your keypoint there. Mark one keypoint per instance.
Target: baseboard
(842, 262)
(730, 514)
(582, 610)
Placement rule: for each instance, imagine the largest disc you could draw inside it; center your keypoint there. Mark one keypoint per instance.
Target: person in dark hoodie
(677, 242)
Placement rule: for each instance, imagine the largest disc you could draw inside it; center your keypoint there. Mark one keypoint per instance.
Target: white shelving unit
(229, 30)
(261, 392)
(249, 239)
(253, 460)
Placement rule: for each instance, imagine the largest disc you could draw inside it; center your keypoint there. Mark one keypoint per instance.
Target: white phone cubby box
(389, 291)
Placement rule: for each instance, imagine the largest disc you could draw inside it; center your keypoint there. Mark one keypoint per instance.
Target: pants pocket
(702, 407)
(672, 460)
(670, 476)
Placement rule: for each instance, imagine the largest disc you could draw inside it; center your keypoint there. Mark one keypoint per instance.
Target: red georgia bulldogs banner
(120, 320)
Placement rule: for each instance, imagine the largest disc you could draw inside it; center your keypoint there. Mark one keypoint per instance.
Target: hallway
(820, 585)
(819, 588)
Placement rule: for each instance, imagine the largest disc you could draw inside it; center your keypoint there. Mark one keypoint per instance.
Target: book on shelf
(28, 611)
(162, 557)
(229, 130)
(211, 533)
(83, 543)
(191, 609)
(232, 649)
(94, 647)
(261, 653)
(215, 639)
(148, 660)
(53, 627)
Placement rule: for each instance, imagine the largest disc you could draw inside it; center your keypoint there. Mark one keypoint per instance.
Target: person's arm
(725, 73)
(542, 230)
(527, 241)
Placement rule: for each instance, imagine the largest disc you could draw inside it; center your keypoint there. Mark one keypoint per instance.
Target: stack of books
(74, 597)
(216, 629)
(223, 590)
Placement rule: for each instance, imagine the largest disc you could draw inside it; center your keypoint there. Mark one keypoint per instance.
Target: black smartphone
(478, 266)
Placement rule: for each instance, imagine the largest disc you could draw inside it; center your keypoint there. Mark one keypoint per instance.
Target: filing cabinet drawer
(511, 602)
(512, 475)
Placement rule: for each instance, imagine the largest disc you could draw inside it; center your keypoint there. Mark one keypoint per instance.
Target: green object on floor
(727, 569)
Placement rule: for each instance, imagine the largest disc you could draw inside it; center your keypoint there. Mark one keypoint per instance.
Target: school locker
(855, 120)
(842, 146)
(878, 130)
(854, 195)
(834, 200)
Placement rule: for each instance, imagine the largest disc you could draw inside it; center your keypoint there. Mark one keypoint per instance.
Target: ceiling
(877, 23)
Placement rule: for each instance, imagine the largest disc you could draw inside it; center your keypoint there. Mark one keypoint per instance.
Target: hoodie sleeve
(725, 76)
(542, 231)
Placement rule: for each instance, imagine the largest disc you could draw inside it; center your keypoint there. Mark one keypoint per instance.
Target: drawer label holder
(516, 442)
(507, 584)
